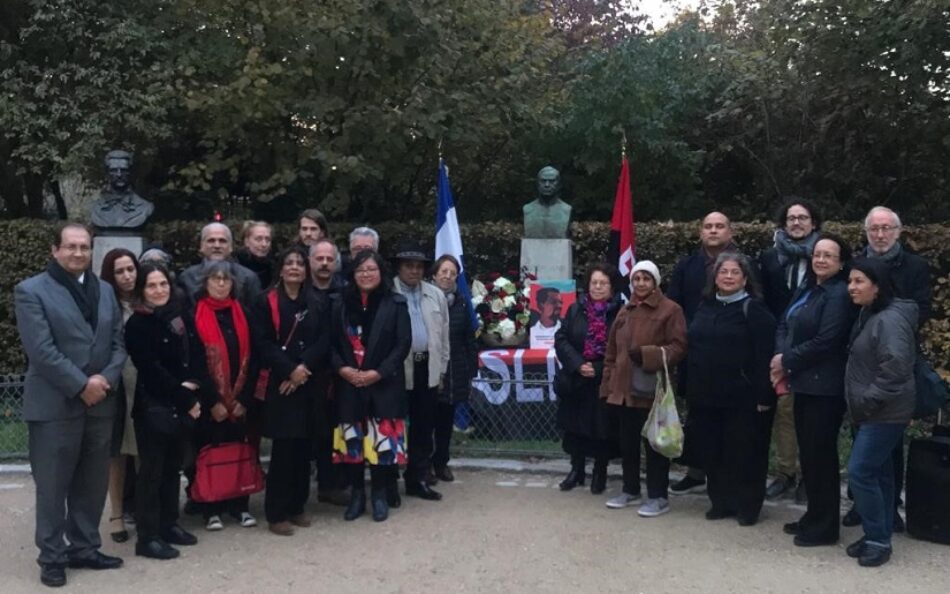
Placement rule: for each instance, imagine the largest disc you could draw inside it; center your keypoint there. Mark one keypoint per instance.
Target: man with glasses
(71, 328)
(911, 276)
(782, 269)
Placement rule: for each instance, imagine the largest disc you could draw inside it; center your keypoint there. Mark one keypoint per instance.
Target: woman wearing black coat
(159, 344)
(463, 363)
(731, 399)
(224, 345)
(580, 347)
(370, 338)
(811, 354)
(292, 341)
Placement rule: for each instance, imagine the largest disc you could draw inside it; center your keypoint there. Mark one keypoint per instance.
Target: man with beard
(782, 269)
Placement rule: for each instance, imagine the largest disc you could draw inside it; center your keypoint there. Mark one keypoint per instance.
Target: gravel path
(495, 531)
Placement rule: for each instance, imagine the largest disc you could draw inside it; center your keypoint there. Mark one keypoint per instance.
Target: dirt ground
(494, 531)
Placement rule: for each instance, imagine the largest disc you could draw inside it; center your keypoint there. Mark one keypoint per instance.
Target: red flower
(502, 316)
(490, 287)
(502, 294)
(494, 276)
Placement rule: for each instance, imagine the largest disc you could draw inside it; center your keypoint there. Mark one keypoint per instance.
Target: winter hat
(648, 267)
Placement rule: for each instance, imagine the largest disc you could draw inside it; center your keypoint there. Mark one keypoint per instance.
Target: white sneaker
(247, 520)
(214, 524)
(654, 507)
(623, 500)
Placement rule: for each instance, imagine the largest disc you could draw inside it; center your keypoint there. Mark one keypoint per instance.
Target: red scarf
(219, 364)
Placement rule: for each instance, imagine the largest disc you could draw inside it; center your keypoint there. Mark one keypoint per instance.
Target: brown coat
(657, 322)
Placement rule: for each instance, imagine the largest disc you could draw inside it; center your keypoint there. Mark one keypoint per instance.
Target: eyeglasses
(81, 248)
(366, 271)
(797, 218)
(882, 228)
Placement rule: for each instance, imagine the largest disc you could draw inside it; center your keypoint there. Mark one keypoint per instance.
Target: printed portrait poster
(549, 301)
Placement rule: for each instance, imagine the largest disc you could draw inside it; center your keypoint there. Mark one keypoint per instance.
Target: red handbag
(226, 471)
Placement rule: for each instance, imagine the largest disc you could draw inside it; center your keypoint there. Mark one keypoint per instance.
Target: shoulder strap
(745, 308)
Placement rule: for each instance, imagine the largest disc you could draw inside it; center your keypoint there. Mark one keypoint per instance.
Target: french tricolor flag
(448, 238)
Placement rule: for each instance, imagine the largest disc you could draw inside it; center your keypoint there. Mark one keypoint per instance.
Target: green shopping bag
(663, 428)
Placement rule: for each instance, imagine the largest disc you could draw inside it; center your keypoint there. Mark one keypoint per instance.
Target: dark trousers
(288, 479)
(817, 423)
(444, 421)
(70, 465)
(158, 482)
(328, 475)
(422, 401)
(379, 476)
(624, 425)
(735, 452)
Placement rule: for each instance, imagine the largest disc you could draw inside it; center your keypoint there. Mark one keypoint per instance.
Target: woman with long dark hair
(120, 269)
(292, 341)
(809, 361)
(370, 337)
(581, 343)
(158, 340)
(879, 389)
(730, 395)
(224, 343)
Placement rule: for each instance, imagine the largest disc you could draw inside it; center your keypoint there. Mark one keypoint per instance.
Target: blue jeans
(871, 476)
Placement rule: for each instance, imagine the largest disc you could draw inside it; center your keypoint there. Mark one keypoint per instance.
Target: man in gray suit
(71, 329)
(216, 244)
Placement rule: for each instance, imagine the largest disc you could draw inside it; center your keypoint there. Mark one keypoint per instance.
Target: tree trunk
(61, 212)
(33, 184)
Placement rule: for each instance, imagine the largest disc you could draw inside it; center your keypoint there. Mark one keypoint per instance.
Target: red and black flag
(623, 235)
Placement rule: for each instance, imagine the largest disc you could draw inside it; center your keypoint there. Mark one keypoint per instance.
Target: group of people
(795, 340)
(324, 357)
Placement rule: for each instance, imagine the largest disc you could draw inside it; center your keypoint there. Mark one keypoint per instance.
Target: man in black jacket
(911, 276)
(782, 269)
(686, 288)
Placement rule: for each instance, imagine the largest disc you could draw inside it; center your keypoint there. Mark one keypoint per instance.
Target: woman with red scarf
(646, 328)
(224, 340)
(370, 336)
(581, 343)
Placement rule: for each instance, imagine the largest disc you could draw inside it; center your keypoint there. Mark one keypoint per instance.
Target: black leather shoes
(745, 520)
(874, 556)
(804, 541)
(598, 480)
(856, 549)
(852, 518)
(719, 514)
(357, 505)
(422, 491)
(177, 535)
(431, 479)
(380, 508)
(792, 528)
(52, 575)
(156, 549)
(444, 473)
(573, 479)
(779, 487)
(393, 500)
(97, 561)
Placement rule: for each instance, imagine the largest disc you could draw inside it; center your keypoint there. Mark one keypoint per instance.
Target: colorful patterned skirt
(378, 442)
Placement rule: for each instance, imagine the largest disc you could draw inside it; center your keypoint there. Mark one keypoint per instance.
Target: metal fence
(509, 415)
(13, 435)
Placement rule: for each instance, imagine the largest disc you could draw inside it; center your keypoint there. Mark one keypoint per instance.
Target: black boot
(392, 488)
(357, 503)
(379, 478)
(576, 476)
(598, 478)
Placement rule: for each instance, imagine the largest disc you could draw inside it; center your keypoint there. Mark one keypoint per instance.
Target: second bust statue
(547, 217)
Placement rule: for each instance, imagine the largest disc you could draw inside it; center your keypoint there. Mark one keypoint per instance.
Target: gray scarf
(735, 297)
(791, 252)
(889, 257)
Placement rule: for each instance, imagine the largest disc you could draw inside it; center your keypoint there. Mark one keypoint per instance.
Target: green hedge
(491, 246)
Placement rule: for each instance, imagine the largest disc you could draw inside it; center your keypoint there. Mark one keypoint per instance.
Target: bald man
(216, 244)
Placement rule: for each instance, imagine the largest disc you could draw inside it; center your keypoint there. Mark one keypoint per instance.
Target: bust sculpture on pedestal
(119, 208)
(547, 217)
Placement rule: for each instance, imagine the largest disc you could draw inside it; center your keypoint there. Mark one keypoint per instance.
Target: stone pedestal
(103, 244)
(548, 259)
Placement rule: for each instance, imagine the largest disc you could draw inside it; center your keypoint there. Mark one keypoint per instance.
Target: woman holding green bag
(646, 327)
